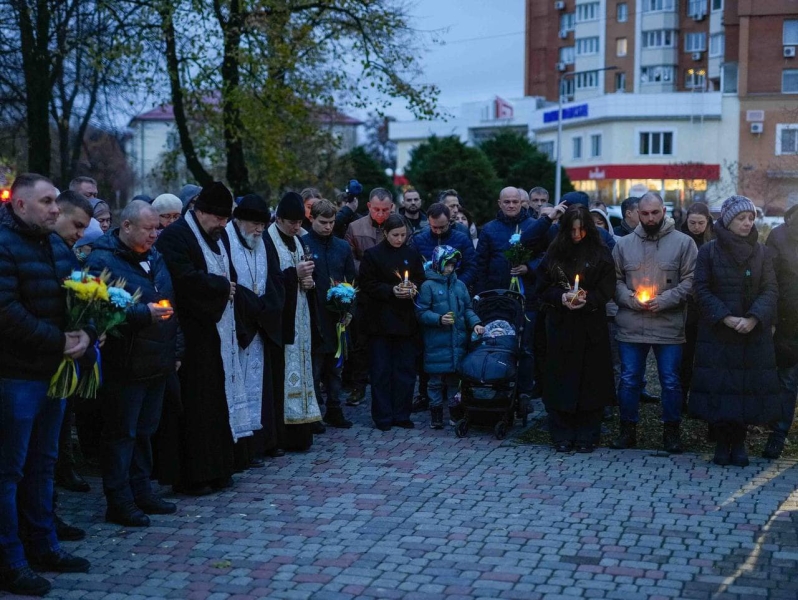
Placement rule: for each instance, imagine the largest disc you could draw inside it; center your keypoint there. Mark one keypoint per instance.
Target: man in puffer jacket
(447, 320)
(783, 247)
(135, 365)
(34, 261)
(439, 232)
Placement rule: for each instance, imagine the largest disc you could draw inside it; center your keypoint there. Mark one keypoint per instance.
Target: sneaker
(151, 505)
(24, 582)
(67, 533)
(59, 561)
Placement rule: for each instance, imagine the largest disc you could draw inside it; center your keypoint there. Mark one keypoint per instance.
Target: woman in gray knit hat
(735, 383)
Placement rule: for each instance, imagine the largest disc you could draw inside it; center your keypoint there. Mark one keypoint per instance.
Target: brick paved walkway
(421, 514)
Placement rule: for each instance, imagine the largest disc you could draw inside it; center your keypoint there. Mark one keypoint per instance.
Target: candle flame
(645, 294)
(164, 304)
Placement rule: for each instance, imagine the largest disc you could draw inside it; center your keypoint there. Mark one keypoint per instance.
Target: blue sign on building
(572, 112)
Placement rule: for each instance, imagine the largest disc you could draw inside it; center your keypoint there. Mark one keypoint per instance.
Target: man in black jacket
(782, 245)
(33, 263)
(136, 365)
(333, 263)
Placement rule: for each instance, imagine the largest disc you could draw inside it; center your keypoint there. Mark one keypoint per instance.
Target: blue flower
(119, 297)
(77, 276)
(515, 238)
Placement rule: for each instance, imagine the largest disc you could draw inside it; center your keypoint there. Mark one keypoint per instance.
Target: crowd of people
(232, 355)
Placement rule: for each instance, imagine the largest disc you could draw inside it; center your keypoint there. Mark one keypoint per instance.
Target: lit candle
(644, 295)
(164, 304)
(407, 279)
(576, 285)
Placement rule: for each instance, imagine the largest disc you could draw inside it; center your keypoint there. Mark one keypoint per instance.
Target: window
(695, 42)
(790, 33)
(620, 47)
(577, 147)
(729, 76)
(717, 44)
(659, 38)
(717, 4)
(567, 88)
(661, 74)
(789, 81)
(587, 46)
(546, 148)
(697, 8)
(655, 5)
(587, 80)
(567, 21)
(622, 12)
(587, 12)
(595, 145)
(656, 143)
(620, 82)
(786, 139)
(695, 78)
(567, 55)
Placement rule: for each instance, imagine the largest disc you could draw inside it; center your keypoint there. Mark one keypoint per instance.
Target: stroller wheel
(461, 428)
(500, 431)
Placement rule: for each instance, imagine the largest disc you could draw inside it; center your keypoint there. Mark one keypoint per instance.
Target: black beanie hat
(215, 199)
(252, 208)
(291, 207)
(572, 198)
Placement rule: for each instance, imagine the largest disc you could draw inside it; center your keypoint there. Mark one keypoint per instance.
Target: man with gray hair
(85, 186)
(135, 365)
(654, 268)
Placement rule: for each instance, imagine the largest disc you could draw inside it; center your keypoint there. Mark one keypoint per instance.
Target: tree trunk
(181, 121)
(237, 172)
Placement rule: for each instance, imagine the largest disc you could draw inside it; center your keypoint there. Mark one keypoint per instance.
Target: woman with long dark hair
(390, 274)
(735, 383)
(577, 376)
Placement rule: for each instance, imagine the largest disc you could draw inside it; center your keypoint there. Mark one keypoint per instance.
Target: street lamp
(558, 174)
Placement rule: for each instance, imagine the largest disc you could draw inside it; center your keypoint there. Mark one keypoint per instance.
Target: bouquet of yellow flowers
(91, 301)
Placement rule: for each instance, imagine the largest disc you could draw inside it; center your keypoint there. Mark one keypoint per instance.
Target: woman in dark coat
(734, 381)
(391, 323)
(698, 225)
(577, 378)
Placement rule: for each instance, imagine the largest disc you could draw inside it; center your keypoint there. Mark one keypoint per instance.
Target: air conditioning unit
(757, 128)
(561, 66)
(563, 34)
(789, 51)
(698, 16)
(696, 56)
(559, 5)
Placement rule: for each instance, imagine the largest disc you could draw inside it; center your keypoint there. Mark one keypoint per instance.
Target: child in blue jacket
(447, 320)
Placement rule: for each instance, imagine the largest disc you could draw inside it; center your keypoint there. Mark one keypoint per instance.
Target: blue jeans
(633, 370)
(131, 413)
(324, 370)
(438, 381)
(789, 381)
(29, 426)
(526, 363)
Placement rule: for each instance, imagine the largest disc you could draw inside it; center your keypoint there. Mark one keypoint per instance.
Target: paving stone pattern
(423, 515)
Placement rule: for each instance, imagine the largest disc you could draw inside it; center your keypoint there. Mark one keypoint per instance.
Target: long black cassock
(206, 440)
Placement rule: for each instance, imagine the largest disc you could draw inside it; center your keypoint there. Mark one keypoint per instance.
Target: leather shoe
(407, 424)
(256, 463)
(67, 533)
(59, 561)
(156, 506)
(317, 427)
(276, 452)
(383, 427)
(69, 479)
(24, 582)
(127, 515)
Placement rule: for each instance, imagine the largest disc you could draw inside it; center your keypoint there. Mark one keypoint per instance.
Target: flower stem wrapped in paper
(517, 254)
(107, 314)
(340, 299)
(83, 293)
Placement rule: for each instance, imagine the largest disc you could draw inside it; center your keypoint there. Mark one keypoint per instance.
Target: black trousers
(581, 427)
(393, 373)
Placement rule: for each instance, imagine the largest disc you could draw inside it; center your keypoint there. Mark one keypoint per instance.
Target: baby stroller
(489, 372)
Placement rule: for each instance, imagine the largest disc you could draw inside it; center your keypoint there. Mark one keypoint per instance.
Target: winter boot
(774, 446)
(627, 438)
(670, 438)
(436, 417)
(334, 417)
(739, 457)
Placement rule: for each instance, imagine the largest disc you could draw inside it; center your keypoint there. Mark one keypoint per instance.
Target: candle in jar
(576, 285)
